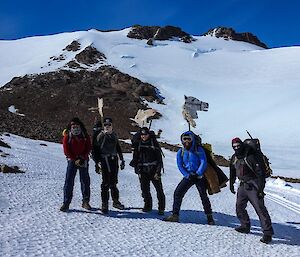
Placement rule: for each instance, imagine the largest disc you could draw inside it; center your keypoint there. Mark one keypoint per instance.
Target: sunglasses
(236, 146)
(187, 139)
(107, 124)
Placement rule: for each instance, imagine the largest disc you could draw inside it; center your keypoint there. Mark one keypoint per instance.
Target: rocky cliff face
(159, 33)
(50, 100)
(229, 33)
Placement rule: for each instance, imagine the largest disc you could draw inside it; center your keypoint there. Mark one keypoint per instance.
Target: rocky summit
(229, 33)
(159, 33)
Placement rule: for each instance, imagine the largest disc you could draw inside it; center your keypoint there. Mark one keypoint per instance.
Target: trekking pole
(249, 134)
(150, 124)
(189, 126)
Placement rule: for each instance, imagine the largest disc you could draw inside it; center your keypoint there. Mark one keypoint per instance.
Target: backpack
(254, 147)
(136, 140)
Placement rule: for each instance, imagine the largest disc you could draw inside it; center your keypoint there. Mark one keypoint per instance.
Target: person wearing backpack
(77, 146)
(147, 162)
(246, 166)
(107, 152)
(192, 163)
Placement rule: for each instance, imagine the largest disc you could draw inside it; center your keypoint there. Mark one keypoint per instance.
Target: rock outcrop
(229, 33)
(50, 100)
(159, 33)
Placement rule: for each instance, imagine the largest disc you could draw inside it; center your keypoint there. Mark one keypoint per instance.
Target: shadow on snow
(284, 233)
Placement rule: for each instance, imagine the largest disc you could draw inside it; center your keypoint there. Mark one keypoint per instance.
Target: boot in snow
(104, 208)
(86, 205)
(210, 219)
(266, 239)
(172, 218)
(147, 207)
(243, 229)
(118, 205)
(161, 212)
(64, 208)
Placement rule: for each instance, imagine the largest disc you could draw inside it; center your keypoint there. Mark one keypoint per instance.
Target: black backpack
(254, 147)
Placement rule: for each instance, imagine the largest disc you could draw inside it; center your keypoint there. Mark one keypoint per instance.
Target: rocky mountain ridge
(230, 33)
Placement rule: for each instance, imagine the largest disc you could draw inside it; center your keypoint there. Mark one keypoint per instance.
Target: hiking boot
(118, 205)
(64, 208)
(172, 218)
(147, 207)
(266, 239)
(243, 229)
(86, 205)
(104, 208)
(161, 212)
(210, 219)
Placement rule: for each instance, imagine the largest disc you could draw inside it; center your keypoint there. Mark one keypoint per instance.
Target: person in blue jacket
(192, 163)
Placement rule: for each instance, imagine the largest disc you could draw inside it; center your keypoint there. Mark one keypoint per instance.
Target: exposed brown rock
(73, 47)
(50, 100)
(3, 144)
(73, 65)
(89, 56)
(158, 33)
(7, 169)
(229, 33)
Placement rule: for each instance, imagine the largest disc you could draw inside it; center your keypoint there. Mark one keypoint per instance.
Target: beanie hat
(144, 131)
(107, 120)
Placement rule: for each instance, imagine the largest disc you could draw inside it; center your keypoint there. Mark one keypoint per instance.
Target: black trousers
(184, 185)
(110, 169)
(247, 194)
(145, 179)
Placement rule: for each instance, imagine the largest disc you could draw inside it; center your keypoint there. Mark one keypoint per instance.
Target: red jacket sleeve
(66, 147)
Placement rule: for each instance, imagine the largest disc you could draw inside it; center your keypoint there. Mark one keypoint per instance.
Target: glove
(157, 176)
(80, 162)
(232, 188)
(260, 194)
(122, 165)
(98, 168)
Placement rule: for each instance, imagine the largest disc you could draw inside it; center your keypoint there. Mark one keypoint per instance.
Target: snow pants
(69, 182)
(145, 179)
(110, 168)
(184, 185)
(248, 193)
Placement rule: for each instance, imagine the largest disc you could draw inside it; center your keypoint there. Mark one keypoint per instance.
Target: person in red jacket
(77, 146)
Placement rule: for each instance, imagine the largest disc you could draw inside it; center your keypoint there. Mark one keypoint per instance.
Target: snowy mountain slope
(246, 86)
(31, 225)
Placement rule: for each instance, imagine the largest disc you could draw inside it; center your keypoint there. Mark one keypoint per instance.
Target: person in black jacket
(147, 162)
(250, 172)
(106, 150)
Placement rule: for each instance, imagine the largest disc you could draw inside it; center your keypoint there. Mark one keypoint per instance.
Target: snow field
(32, 225)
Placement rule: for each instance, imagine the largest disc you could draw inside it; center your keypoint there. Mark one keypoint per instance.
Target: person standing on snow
(106, 151)
(147, 162)
(77, 146)
(247, 168)
(192, 163)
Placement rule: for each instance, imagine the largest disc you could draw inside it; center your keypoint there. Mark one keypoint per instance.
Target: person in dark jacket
(249, 171)
(107, 152)
(147, 162)
(192, 163)
(77, 146)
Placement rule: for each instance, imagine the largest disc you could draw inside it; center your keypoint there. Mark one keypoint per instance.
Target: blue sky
(275, 22)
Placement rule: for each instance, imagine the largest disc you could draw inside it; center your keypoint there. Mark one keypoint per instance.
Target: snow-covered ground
(247, 87)
(32, 225)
